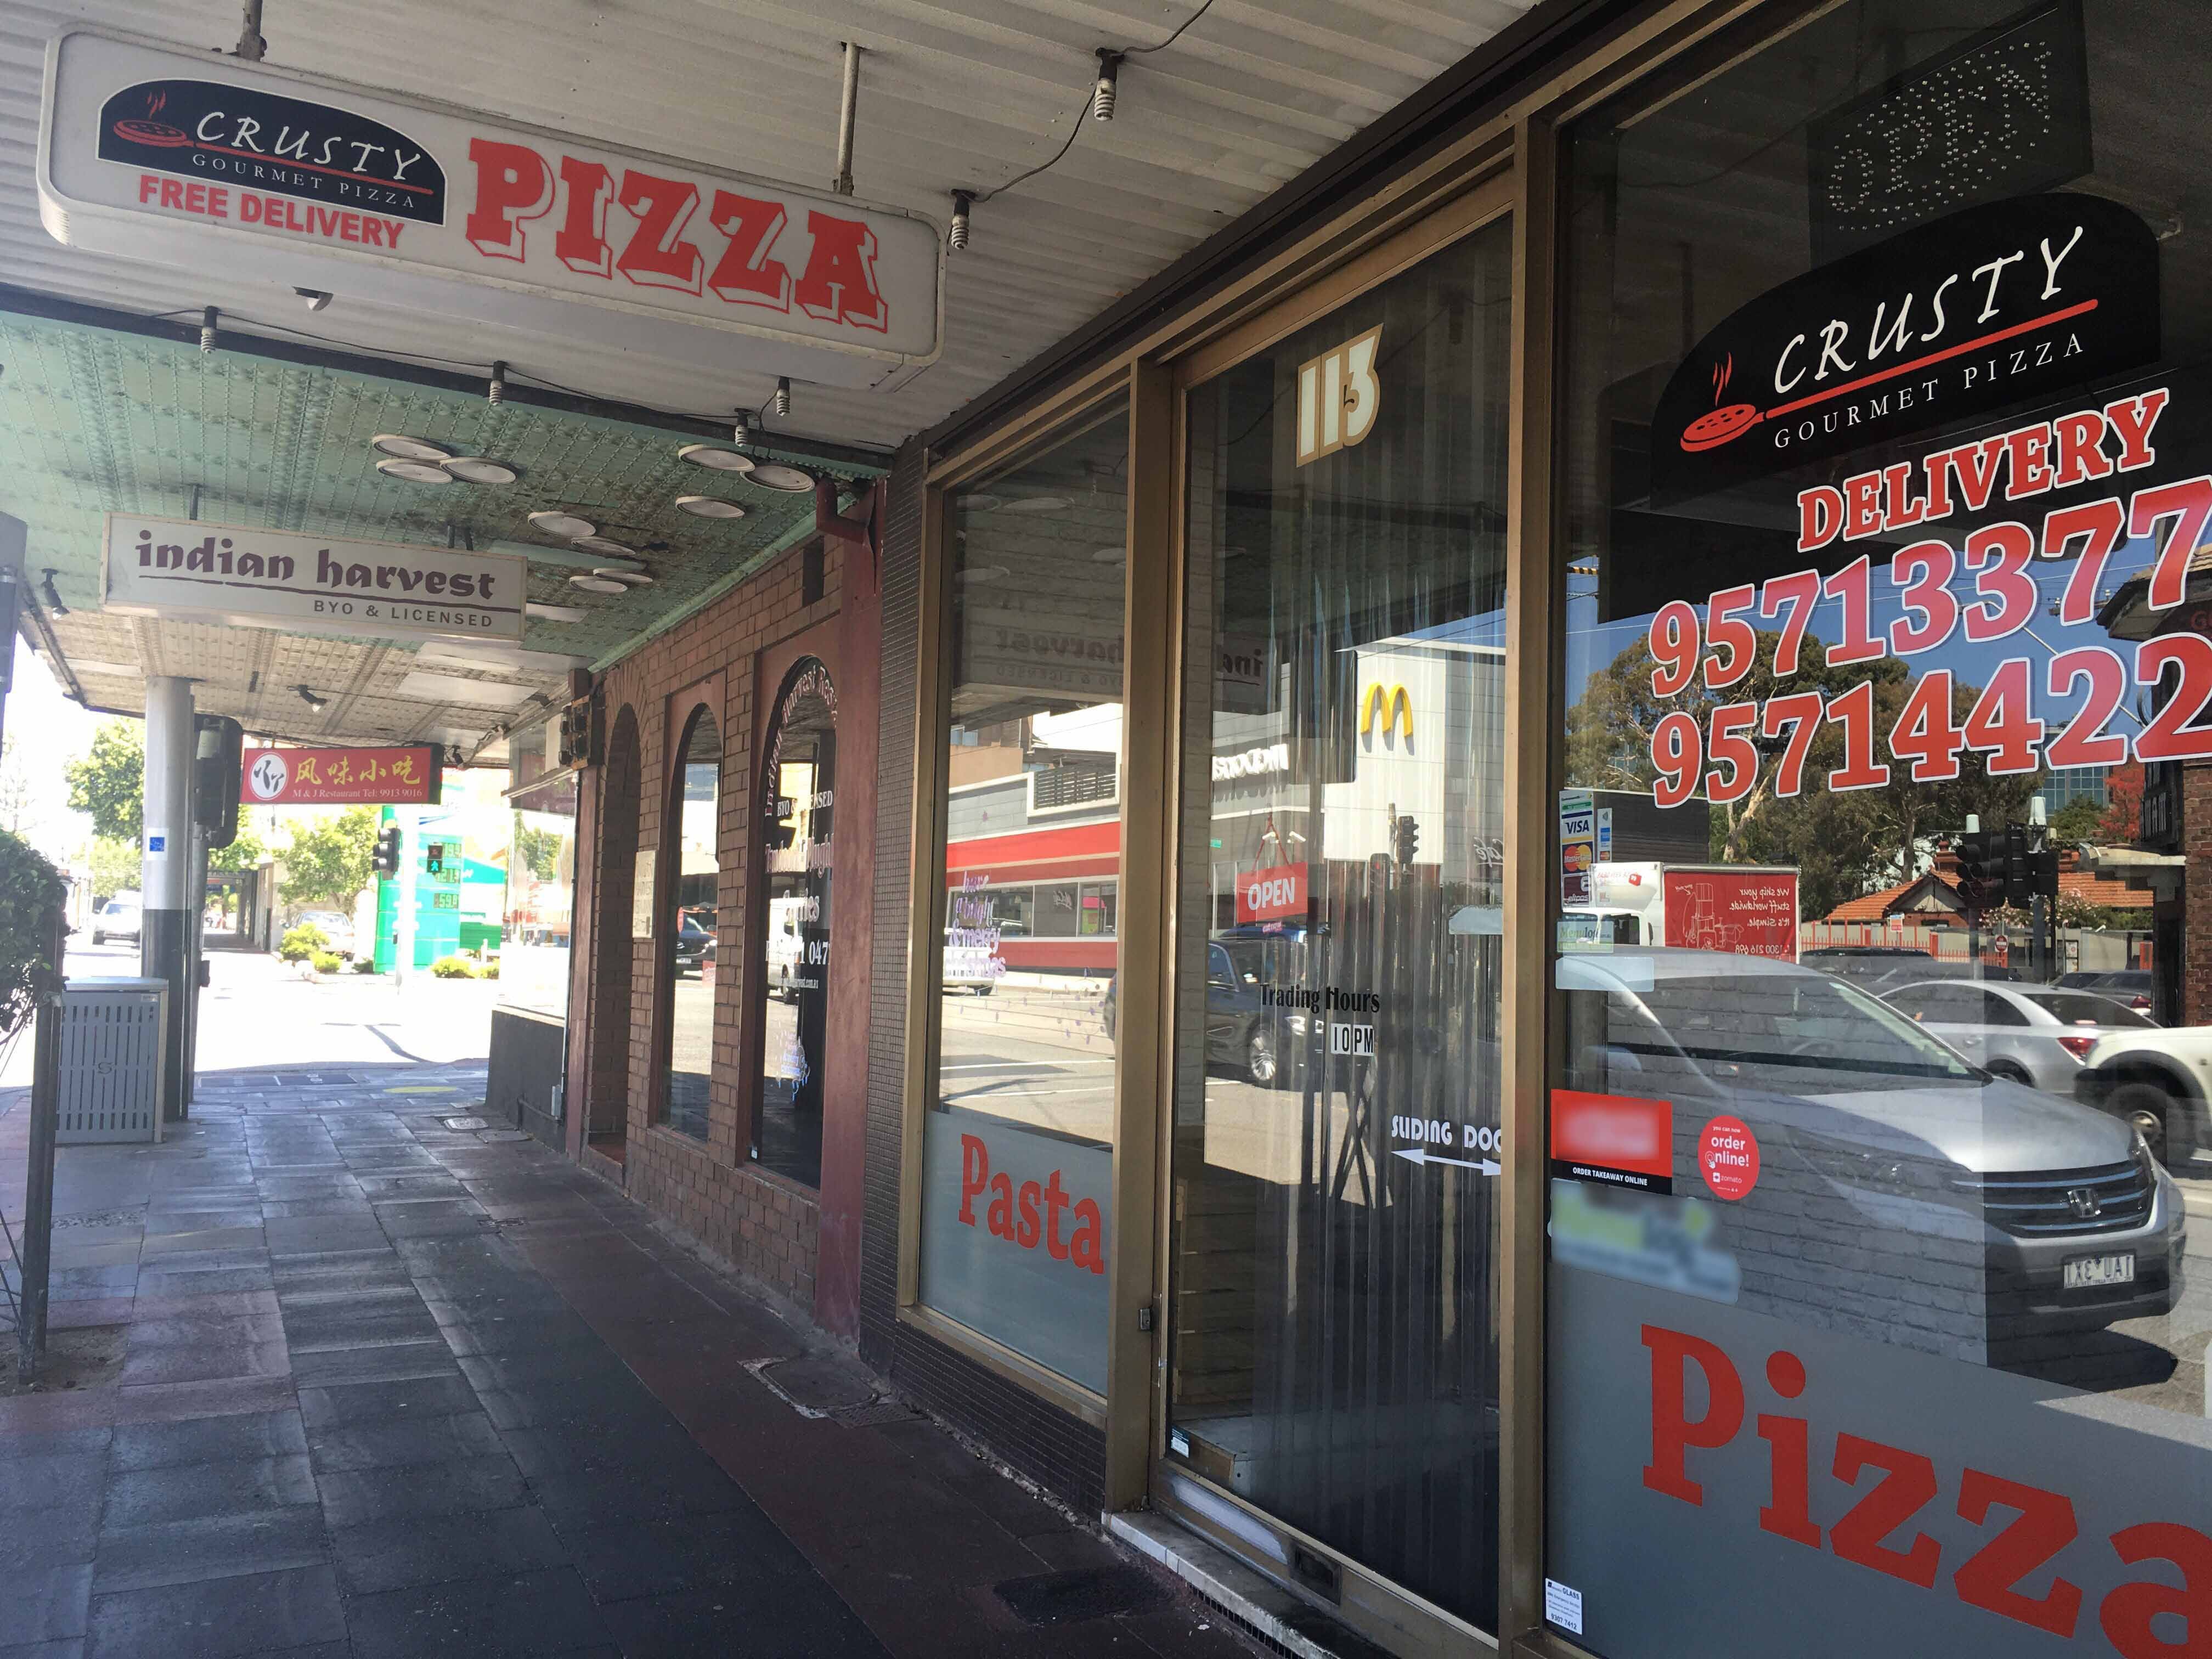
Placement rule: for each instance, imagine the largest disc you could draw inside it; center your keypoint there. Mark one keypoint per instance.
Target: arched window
(688, 943)
(798, 802)
(615, 949)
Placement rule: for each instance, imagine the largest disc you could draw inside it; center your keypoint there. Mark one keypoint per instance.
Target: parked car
(334, 926)
(2031, 1034)
(121, 917)
(1882, 968)
(2136, 987)
(1243, 1031)
(692, 942)
(2157, 1080)
(1900, 1191)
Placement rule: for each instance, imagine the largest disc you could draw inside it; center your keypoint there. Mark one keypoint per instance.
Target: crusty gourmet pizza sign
(153, 152)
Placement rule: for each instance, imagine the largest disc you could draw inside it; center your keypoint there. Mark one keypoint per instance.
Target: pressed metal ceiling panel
(94, 422)
(969, 93)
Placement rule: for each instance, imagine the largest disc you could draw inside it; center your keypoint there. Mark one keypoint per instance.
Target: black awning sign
(226, 134)
(1990, 305)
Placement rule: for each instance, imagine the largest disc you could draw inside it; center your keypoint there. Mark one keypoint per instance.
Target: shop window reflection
(798, 786)
(690, 940)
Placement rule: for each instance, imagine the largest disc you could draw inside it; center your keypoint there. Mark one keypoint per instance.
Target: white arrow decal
(1423, 1155)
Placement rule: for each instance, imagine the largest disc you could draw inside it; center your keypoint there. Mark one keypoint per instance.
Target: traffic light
(2018, 888)
(434, 857)
(1978, 878)
(1406, 840)
(387, 862)
(576, 744)
(2042, 874)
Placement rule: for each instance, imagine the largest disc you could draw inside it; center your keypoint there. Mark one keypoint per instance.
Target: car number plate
(2089, 1271)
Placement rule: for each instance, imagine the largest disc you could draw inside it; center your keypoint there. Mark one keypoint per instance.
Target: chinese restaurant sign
(1993, 305)
(309, 584)
(342, 777)
(153, 152)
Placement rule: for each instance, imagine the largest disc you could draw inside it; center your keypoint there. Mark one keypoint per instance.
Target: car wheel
(98, 938)
(2154, 1115)
(1262, 1062)
(2012, 1074)
(983, 990)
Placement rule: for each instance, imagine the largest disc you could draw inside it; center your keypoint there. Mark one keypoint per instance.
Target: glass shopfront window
(800, 789)
(1018, 1142)
(1333, 1345)
(1883, 994)
(689, 941)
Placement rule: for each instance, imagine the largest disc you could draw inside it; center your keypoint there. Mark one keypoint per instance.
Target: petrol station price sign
(343, 777)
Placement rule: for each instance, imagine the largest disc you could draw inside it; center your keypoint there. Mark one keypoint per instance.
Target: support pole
(847, 107)
(403, 958)
(39, 1177)
(169, 906)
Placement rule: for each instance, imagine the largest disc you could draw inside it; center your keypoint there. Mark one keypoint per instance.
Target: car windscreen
(2078, 1008)
(1790, 1034)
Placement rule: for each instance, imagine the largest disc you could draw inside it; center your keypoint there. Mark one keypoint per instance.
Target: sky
(45, 732)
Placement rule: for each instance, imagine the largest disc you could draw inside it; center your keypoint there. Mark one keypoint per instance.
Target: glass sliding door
(1334, 1347)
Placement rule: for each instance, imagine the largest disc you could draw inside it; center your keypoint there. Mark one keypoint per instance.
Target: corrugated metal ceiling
(969, 93)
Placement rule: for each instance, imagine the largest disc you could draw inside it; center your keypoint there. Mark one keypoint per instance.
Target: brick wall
(1062, 1453)
(763, 1224)
(2196, 893)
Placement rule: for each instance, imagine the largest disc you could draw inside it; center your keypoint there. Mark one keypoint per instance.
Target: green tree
(327, 863)
(115, 867)
(2077, 823)
(110, 780)
(539, 851)
(243, 853)
(1844, 844)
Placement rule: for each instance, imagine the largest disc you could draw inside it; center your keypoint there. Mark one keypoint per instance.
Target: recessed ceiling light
(1039, 504)
(606, 544)
(772, 475)
(568, 525)
(1110, 556)
(481, 469)
(407, 448)
(980, 503)
(596, 585)
(415, 472)
(626, 578)
(716, 456)
(982, 574)
(709, 507)
(555, 613)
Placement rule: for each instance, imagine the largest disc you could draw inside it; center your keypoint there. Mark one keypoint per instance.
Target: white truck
(1748, 909)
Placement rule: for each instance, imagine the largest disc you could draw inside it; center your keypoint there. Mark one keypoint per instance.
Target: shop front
(1376, 743)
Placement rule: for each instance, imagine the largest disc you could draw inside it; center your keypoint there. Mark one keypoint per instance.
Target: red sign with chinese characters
(342, 777)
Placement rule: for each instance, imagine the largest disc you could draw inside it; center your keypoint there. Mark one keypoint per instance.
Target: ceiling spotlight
(962, 201)
(415, 472)
(54, 605)
(565, 525)
(741, 429)
(1101, 95)
(606, 544)
(596, 585)
(783, 398)
(715, 456)
(788, 480)
(312, 700)
(210, 319)
(315, 297)
(481, 469)
(626, 578)
(496, 392)
(407, 448)
(555, 613)
(709, 507)
(454, 757)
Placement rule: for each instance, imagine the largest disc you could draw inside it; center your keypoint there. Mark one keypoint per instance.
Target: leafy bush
(490, 968)
(453, 968)
(30, 888)
(364, 964)
(327, 961)
(302, 942)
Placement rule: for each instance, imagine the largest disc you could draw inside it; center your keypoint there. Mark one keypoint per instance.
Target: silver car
(2031, 1034)
(1900, 1192)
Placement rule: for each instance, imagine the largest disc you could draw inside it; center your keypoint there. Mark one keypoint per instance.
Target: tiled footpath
(351, 1381)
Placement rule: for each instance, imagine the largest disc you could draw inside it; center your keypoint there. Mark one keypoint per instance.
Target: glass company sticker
(1728, 1158)
(1563, 1606)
